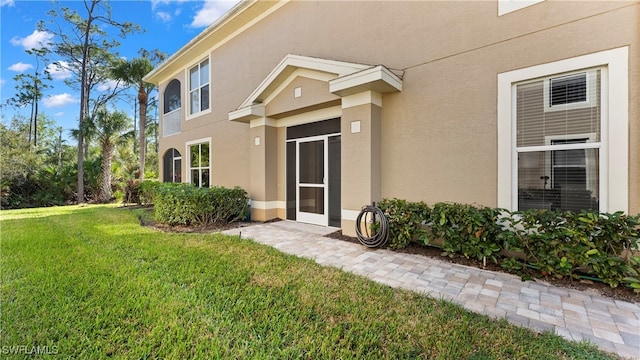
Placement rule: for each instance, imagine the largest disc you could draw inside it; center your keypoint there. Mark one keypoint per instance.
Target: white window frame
(174, 115)
(507, 6)
(614, 133)
(173, 165)
(590, 166)
(592, 80)
(188, 145)
(188, 90)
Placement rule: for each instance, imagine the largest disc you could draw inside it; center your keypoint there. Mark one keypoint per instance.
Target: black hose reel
(372, 227)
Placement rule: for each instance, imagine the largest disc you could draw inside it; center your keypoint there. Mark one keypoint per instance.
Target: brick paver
(612, 325)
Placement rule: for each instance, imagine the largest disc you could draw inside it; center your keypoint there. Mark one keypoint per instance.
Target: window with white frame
(572, 91)
(171, 116)
(172, 161)
(555, 149)
(563, 134)
(199, 87)
(199, 164)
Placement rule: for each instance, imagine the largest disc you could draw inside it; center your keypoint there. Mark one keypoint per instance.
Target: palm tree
(133, 72)
(109, 129)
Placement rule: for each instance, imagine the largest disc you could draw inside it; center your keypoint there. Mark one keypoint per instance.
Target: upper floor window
(199, 87)
(172, 97)
(171, 115)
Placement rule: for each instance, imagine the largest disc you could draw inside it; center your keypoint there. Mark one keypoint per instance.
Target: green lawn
(90, 282)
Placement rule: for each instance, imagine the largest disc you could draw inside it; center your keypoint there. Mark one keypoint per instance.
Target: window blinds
(558, 121)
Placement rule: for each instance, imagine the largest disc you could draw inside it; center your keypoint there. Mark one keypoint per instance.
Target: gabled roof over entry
(345, 78)
(289, 64)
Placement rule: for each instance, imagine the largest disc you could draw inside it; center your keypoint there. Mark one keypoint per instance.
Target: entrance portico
(315, 130)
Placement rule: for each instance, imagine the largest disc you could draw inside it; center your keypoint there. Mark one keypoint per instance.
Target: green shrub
(184, 204)
(542, 237)
(147, 190)
(406, 221)
(553, 243)
(141, 193)
(466, 230)
(573, 244)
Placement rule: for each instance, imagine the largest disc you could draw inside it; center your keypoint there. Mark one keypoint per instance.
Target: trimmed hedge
(147, 189)
(530, 243)
(185, 204)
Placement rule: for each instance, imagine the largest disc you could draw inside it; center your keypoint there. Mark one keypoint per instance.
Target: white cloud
(6, 2)
(156, 3)
(60, 70)
(37, 40)
(20, 67)
(164, 16)
(211, 11)
(58, 114)
(2, 81)
(59, 100)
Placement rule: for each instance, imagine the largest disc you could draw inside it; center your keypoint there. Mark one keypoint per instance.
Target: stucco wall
(439, 137)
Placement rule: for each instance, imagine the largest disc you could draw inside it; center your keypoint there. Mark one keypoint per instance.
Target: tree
(132, 72)
(79, 45)
(109, 129)
(29, 178)
(29, 92)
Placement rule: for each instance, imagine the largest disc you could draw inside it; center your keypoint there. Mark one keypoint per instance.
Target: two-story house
(317, 108)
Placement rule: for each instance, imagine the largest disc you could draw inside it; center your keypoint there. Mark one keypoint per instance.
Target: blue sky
(169, 25)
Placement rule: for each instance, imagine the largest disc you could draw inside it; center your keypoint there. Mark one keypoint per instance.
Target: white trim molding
(289, 65)
(267, 205)
(299, 119)
(376, 78)
(247, 113)
(361, 83)
(351, 215)
(363, 98)
(614, 168)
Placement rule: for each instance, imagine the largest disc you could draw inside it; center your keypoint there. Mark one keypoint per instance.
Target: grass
(90, 282)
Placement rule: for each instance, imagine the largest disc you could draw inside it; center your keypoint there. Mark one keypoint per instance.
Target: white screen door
(311, 180)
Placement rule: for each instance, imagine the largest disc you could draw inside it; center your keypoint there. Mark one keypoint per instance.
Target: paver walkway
(612, 325)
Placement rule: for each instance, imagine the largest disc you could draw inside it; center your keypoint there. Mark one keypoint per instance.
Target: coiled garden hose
(371, 219)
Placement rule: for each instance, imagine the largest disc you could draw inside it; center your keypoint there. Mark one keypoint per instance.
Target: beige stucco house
(317, 108)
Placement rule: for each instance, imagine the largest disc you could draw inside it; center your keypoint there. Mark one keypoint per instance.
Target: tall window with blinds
(558, 141)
